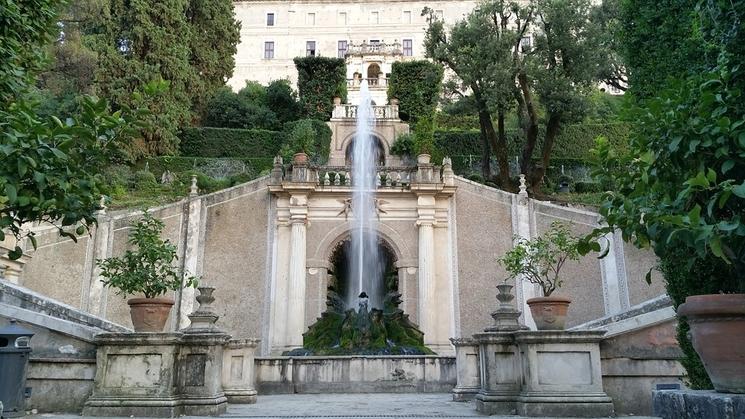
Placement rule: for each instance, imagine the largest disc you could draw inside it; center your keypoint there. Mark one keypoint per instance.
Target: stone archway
(379, 151)
(373, 73)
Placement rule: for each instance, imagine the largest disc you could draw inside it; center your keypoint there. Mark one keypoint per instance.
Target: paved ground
(357, 406)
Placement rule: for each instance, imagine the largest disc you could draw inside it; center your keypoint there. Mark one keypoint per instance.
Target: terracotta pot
(149, 314)
(718, 334)
(300, 158)
(549, 313)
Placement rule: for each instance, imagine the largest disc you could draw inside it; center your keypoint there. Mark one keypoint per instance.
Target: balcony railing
(376, 82)
(346, 111)
(376, 48)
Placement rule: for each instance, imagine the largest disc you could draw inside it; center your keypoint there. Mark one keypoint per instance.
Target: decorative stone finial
(278, 161)
(204, 318)
(193, 189)
(448, 176)
(506, 315)
(101, 206)
(523, 194)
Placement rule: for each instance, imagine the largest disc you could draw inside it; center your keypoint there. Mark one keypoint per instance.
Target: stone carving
(204, 318)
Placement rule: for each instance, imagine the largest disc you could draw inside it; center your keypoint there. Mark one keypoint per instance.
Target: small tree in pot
(147, 269)
(539, 261)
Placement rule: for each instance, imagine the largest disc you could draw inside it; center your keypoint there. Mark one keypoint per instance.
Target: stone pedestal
(500, 373)
(135, 375)
(697, 404)
(561, 374)
(467, 368)
(200, 374)
(238, 371)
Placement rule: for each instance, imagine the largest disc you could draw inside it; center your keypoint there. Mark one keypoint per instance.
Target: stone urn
(300, 158)
(549, 313)
(423, 159)
(717, 324)
(149, 314)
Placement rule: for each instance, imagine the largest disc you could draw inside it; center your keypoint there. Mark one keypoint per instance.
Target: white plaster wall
(293, 27)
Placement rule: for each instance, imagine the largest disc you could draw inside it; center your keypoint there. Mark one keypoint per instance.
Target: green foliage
(218, 168)
(417, 86)
(683, 180)
(48, 167)
(282, 100)
(573, 142)
(226, 142)
(659, 40)
(540, 259)
(183, 45)
(148, 268)
(214, 36)
(320, 79)
(403, 145)
(459, 121)
(311, 136)
(587, 187)
(246, 109)
(25, 29)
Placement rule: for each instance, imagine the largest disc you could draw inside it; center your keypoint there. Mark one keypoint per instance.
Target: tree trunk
(501, 152)
(485, 154)
(552, 130)
(530, 128)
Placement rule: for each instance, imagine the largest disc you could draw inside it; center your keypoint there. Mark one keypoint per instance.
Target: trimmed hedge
(416, 85)
(210, 166)
(319, 80)
(230, 142)
(573, 142)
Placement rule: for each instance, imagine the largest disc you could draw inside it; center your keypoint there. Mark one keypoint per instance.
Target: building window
(270, 19)
(375, 17)
(268, 50)
(342, 50)
(310, 19)
(342, 18)
(310, 48)
(526, 43)
(407, 16)
(408, 47)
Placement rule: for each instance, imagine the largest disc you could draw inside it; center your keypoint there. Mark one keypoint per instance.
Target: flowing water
(366, 273)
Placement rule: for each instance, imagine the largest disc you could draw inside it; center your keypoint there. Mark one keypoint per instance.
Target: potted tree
(146, 269)
(302, 140)
(539, 261)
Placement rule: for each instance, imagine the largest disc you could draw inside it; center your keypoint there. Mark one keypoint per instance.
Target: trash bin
(14, 353)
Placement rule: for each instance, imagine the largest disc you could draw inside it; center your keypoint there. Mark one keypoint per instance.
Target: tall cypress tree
(186, 46)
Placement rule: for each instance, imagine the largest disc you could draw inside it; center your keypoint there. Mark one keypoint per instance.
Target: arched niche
(378, 147)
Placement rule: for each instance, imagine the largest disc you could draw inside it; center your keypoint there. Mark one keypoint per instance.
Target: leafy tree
(246, 109)
(282, 100)
(25, 30)
(215, 34)
(553, 78)
(187, 44)
(319, 80)
(48, 168)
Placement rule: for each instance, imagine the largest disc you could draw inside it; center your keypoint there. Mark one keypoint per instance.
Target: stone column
(521, 228)
(191, 253)
(426, 292)
(613, 271)
(296, 283)
(101, 250)
(280, 275)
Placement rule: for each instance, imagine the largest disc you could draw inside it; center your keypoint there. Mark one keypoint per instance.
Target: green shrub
(216, 167)
(463, 122)
(227, 142)
(403, 145)
(319, 80)
(587, 187)
(322, 142)
(144, 179)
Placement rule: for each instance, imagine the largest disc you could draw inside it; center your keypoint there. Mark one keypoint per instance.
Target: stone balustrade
(372, 82)
(385, 177)
(380, 112)
(375, 48)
